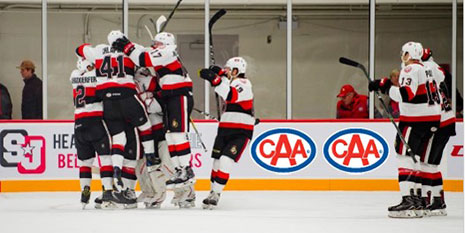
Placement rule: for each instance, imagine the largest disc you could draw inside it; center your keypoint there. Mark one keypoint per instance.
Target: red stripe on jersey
(88, 114)
(117, 85)
(234, 95)
(183, 146)
(172, 148)
(106, 169)
(146, 132)
(405, 171)
(117, 146)
(85, 169)
(147, 60)
(128, 63)
(401, 144)
(80, 50)
(447, 122)
(89, 91)
(409, 92)
(176, 86)
(246, 105)
(235, 125)
(152, 85)
(172, 66)
(222, 175)
(157, 127)
(420, 118)
(421, 90)
(128, 170)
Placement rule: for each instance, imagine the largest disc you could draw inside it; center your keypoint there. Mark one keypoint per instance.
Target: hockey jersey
(417, 95)
(238, 116)
(447, 114)
(86, 103)
(114, 70)
(173, 79)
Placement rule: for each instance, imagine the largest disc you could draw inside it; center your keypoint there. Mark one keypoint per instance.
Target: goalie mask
(237, 63)
(413, 49)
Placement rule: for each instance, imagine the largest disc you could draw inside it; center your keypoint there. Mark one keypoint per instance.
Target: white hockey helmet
(414, 49)
(237, 63)
(114, 35)
(165, 38)
(82, 64)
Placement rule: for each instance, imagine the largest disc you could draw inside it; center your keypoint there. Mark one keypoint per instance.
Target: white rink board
(60, 161)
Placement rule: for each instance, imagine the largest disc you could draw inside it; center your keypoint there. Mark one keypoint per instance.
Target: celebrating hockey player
(419, 119)
(236, 125)
(115, 76)
(176, 94)
(431, 176)
(90, 133)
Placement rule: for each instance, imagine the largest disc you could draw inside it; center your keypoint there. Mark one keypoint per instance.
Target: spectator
(31, 106)
(351, 104)
(5, 103)
(392, 105)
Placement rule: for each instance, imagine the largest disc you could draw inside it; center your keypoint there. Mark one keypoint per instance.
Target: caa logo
(283, 150)
(18, 149)
(356, 150)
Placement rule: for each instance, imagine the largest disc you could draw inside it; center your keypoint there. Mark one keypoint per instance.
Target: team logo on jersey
(23, 151)
(283, 150)
(408, 69)
(234, 150)
(356, 150)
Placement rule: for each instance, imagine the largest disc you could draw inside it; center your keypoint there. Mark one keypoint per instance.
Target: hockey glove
(153, 162)
(218, 70)
(209, 75)
(123, 45)
(382, 85)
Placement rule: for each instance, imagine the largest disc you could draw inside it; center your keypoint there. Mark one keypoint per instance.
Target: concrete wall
(318, 43)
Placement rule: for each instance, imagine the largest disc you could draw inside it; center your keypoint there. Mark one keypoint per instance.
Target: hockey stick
(212, 22)
(349, 62)
(204, 113)
(198, 135)
(170, 15)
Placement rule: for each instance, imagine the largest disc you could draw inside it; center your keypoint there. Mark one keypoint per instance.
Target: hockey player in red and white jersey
(419, 118)
(90, 133)
(176, 94)
(431, 176)
(236, 125)
(116, 86)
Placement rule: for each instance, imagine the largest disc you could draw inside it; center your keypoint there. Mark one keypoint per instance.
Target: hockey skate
(211, 201)
(187, 199)
(85, 196)
(406, 209)
(184, 176)
(155, 201)
(118, 182)
(131, 199)
(420, 205)
(437, 208)
(107, 200)
(177, 196)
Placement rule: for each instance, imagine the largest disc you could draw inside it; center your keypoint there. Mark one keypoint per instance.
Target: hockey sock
(222, 175)
(407, 176)
(427, 172)
(215, 167)
(85, 172)
(117, 149)
(128, 174)
(180, 146)
(437, 185)
(106, 172)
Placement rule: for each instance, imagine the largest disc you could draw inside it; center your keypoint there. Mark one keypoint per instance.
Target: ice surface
(239, 211)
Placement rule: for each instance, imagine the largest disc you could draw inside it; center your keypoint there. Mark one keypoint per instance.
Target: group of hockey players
(133, 107)
(426, 122)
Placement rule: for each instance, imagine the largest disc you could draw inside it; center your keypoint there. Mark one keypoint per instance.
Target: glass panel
(322, 35)
(21, 39)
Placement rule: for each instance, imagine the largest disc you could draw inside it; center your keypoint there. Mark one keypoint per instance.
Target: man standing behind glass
(31, 106)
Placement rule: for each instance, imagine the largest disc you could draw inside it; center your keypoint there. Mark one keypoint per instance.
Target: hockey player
(419, 119)
(115, 75)
(431, 176)
(152, 180)
(176, 93)
(90, 133)
(236, 125)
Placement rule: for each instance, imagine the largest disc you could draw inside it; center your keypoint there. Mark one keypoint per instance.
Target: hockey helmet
(427, 54)
(237, 63)
(82, 64)
(114, 35)
(414, 49)
(165, 38)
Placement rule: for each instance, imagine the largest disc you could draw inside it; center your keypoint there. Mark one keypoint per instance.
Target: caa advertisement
(278, 150)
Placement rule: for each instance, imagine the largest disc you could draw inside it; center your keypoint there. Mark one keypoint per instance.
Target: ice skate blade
(108, 205)
(438, 212)
(130, 206)
(152, 205)
(186, 205)
(403, 214)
